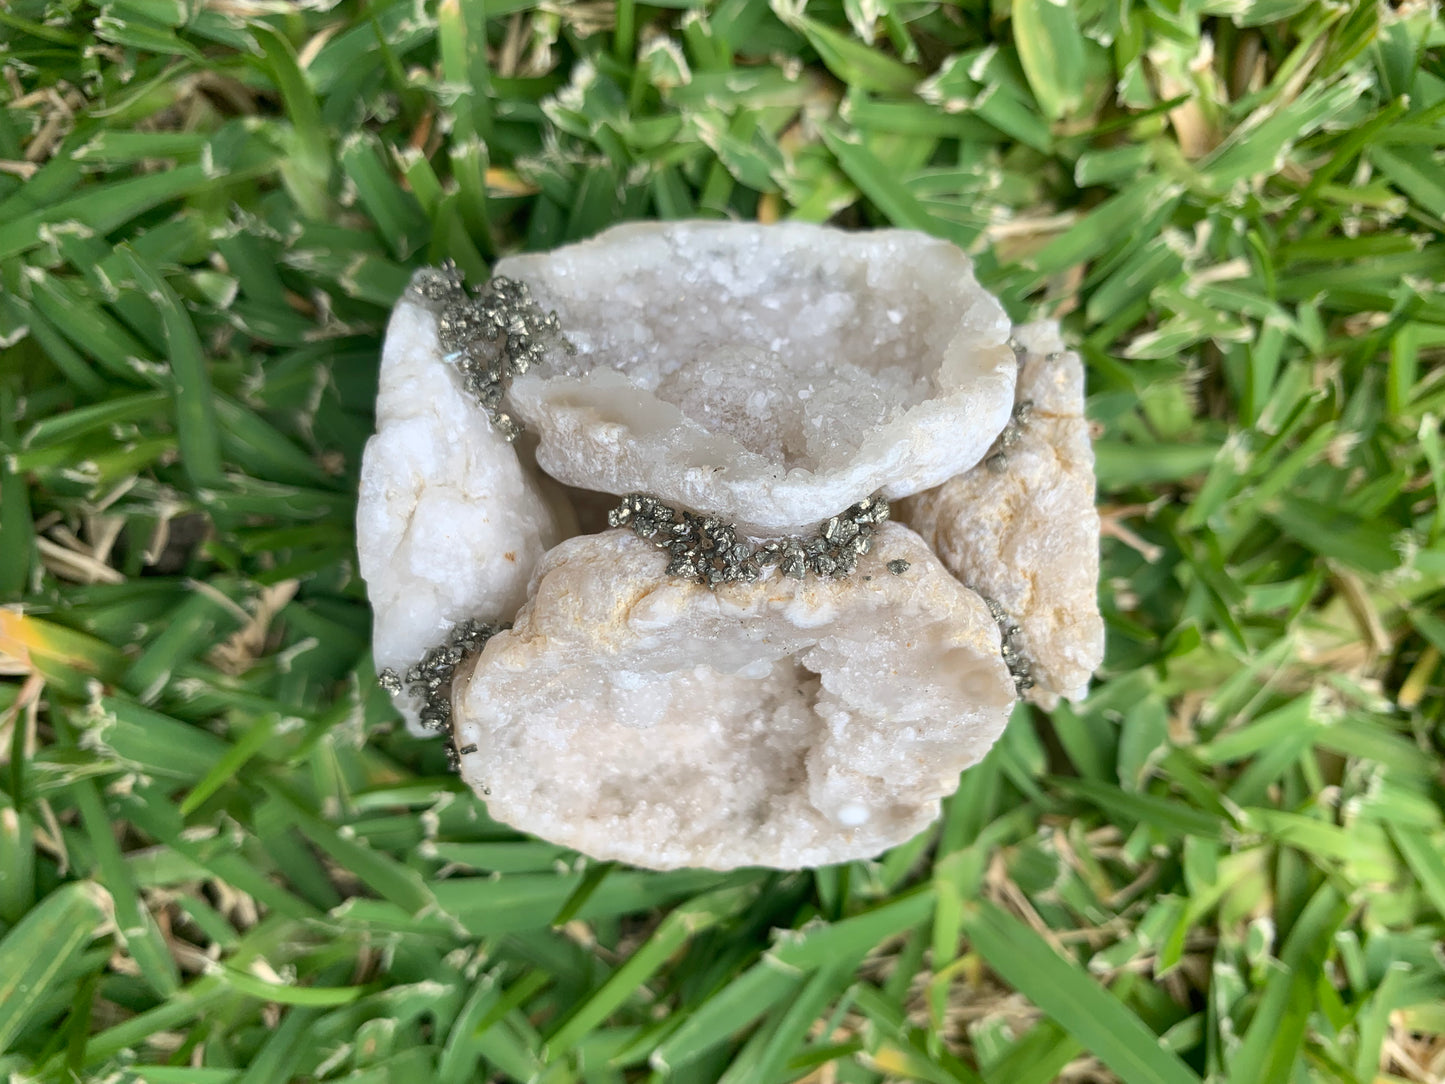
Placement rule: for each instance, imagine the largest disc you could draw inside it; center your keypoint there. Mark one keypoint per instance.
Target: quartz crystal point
(640, 717)
(767, 375)
(450, 520)
(1022, 528)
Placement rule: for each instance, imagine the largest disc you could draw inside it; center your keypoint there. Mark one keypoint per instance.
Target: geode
(752, 658)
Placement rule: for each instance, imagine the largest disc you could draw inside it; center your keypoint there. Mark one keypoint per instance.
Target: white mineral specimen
(450, 523)
(1024, 531)
(641, 717)
(768, 375)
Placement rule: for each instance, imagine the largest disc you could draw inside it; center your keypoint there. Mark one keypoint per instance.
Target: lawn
(221, 858)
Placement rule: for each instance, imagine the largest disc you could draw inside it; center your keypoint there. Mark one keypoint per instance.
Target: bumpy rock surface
(640, 717)
(768, 375)
(1023, 529)
(450, 523)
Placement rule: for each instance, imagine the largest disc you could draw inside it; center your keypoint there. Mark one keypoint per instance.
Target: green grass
(222, 861)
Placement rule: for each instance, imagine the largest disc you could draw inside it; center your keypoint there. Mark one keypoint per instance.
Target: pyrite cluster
(491, 335)
(851, 521)
(711, 552)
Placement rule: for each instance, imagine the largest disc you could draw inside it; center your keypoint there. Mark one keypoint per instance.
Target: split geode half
(751, 665)
(639, 716)
(770, 376)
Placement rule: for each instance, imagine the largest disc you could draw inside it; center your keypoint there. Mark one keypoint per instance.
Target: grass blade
(1091, 1014)
(676, 930)
(40, 947)
(195, 409)
(1052, 51)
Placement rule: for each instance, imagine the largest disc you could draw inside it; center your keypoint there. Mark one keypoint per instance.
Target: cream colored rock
(639, 717)
(1024, 531)
(768, 375)
(450, 523)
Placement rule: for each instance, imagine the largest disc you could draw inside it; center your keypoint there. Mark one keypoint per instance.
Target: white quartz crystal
(768, 375)
(1024, 530)
(450, 523)
(642, 717)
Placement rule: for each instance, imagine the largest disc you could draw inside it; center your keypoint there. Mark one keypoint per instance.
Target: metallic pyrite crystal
(491, 335)
(711, 552)
(851, 521)
(450, 521)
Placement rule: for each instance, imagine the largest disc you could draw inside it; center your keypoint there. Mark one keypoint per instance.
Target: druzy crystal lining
(767, 376)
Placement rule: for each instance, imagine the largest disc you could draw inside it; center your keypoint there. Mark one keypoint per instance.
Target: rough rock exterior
(640, 717)
(768, 375)
(1023, 529)
(450, 522)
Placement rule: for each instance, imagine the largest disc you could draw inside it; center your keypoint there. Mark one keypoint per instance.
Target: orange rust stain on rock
(509, 555)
